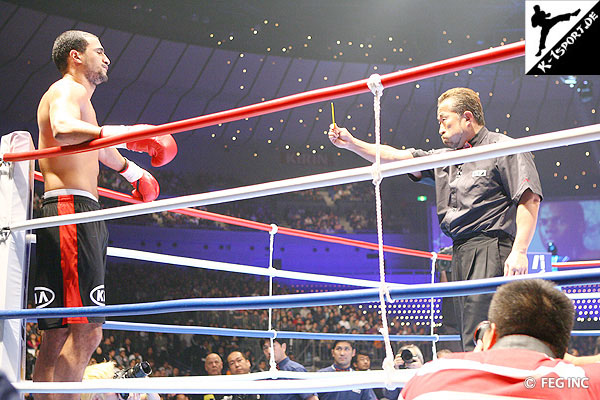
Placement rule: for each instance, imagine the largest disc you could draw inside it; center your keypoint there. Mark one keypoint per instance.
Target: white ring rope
(239, 268)
(583, 296)
(255, 383)
(537, 142)
(261, 271)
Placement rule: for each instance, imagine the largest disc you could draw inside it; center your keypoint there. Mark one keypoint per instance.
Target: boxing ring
(14, 241)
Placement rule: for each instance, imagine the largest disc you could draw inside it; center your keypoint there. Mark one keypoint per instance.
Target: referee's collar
(477, 139)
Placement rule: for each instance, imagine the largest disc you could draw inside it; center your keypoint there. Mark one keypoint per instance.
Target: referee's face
(452, 125)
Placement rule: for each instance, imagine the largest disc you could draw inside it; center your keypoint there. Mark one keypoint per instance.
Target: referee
(489, 208)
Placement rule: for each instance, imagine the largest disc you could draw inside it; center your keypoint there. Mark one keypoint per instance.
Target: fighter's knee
(87, 335)
(94, 335)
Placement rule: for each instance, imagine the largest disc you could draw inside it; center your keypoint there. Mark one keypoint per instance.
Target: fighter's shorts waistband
(69, 192)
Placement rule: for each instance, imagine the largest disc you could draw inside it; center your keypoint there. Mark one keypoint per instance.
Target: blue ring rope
(445, 289)
(201, 330)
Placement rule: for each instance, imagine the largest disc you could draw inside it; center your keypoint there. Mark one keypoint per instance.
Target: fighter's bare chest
(88, 114)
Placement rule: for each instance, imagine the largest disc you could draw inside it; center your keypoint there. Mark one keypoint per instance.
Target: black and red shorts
(71, 261)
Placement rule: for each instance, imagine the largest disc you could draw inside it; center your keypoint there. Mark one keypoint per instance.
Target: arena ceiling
(180, 59)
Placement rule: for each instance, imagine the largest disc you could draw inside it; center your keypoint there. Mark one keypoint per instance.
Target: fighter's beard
(96, 78)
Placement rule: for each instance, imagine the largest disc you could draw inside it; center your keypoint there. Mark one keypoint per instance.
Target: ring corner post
(16, 191)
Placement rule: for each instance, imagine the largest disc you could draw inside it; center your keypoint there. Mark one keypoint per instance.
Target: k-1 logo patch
(97, 295)
(43, 296)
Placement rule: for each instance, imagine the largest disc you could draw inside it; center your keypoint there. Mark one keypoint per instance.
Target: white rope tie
(272, 363)
(374, 83)
(434, 257)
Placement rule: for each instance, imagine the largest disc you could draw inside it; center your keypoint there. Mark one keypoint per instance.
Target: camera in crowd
(139, 370)
(411, 357)
(480, 331)
(408, 357)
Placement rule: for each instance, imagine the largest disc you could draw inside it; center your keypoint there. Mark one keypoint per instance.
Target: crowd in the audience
(327, 210)
(184, 354)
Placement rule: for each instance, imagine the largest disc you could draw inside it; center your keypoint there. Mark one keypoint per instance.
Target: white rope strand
(255, 383)
(434, 257)
(272, 363)
(374, 83)
(544, 141)
(239, 268)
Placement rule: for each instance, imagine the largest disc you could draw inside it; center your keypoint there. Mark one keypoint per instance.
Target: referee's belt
(490, 234)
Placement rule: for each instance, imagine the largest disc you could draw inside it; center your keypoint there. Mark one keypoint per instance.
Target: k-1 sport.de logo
(561, 37)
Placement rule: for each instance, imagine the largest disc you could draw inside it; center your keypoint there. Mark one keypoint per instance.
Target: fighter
(72, 258)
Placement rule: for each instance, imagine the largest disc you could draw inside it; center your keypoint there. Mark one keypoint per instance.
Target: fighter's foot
(576, 13)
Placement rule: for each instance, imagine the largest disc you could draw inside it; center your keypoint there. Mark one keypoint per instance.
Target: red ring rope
(577, 264)
(483, 57)
(112, 194)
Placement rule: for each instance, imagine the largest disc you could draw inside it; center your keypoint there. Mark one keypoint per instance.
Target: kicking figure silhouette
(542, 19)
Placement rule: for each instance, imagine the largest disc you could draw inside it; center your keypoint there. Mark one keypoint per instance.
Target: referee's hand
(516, 264)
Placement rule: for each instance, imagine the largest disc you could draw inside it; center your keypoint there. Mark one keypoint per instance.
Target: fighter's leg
(53, 341)
(78, 347)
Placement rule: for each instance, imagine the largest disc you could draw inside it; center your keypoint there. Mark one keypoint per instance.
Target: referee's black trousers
(480, 256)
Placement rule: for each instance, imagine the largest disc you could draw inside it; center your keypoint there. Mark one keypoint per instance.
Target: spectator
(122, 358)
(403, 359)
(530, 326)
(344, 322)
(362, 360)
(238, 363)
(98, 355)
(213, 364)
(33, 343)
(262, 365)
(284, 364)
(342, 353)
(443, 353)
(409, 357)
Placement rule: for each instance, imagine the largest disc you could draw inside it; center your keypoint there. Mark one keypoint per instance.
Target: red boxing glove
(162, 149)
(145, 186)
